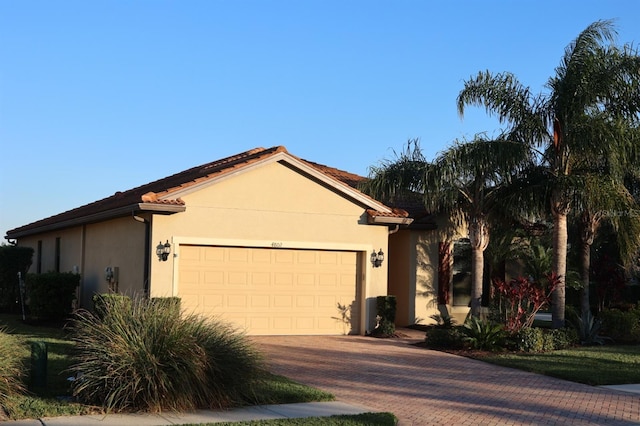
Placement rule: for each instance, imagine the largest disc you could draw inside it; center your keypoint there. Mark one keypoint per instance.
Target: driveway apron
(424, 387)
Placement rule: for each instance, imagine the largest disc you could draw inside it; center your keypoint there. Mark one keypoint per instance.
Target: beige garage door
(272, 291)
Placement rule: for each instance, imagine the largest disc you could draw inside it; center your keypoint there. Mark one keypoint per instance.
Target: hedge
(50, 296)
(13, 259)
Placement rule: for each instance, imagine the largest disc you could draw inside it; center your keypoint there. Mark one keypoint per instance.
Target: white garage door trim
(361, 249)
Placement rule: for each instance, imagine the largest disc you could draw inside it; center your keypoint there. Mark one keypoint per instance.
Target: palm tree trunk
(585, 265)
(479, 239)
(477, 269)
(559, 267)
(589, 226)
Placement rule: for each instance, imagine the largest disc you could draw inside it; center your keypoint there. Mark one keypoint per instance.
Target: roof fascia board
(97, 217)
(294, 162)
(385, 220)
(179, 193)
(340, 186)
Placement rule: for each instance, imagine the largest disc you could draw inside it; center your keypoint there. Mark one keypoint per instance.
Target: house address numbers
(276, 244)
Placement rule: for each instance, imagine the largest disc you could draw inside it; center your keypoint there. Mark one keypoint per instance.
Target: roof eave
(293, 161)
(387, 220)
(154, 208)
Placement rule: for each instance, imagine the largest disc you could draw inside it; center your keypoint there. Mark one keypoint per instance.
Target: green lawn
(592, 365)
(595, 365)
(53, 400)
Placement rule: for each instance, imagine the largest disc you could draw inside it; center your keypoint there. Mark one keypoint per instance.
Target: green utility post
(38, 364)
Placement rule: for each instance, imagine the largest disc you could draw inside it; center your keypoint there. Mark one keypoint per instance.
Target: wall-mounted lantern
(163, 250)
(377, 258)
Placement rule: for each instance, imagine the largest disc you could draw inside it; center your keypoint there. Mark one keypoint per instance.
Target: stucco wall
(70, 250)
(271, 206)
(402, 276)
(89, 249)
(118, 243)
(413, 274)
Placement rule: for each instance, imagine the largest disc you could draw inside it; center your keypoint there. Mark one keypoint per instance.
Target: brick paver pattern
(425, 387)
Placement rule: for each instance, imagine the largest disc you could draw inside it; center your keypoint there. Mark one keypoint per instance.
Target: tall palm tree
(606, 198)
(593, 78)
(461, 182)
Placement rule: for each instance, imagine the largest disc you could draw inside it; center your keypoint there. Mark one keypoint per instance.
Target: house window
(39, 255)
(57, 255)
(461, 281)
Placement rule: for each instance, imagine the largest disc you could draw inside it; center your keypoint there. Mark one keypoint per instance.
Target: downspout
(396, 229)
(147, 245)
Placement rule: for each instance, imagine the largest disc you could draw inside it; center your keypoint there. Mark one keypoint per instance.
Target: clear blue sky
(101, 96)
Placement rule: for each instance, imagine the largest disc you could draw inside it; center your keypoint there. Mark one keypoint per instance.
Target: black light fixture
(163, 250)
(377, 258)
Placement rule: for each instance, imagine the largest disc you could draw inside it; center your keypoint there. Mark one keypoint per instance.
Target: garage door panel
(284, 279)
(190, 253)
(305, 301)
(212, 254)
(260, 301)
(261, 256)
(212, 301)
(270, 291)
(238, 279)
(327, 280)
(284, 257)
(305, 280)
(261, 278)
(306, 257)
(210, 277)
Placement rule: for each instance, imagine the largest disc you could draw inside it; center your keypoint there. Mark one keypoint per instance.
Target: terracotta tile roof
(395, 213)
(158, 193)
(350, 179)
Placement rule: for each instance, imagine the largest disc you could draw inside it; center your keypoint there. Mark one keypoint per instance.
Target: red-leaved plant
(523, 298)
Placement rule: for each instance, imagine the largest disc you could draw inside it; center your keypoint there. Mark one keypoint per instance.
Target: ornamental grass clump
(144, 356)
(11, 368)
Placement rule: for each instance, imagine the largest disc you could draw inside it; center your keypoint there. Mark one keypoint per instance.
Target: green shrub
(444, 337)
(51, 295)
(144, 357)
(622, 326)
(529, 339)
(588, 329)
(386, 315)
(101, 302)
(11, 368)
(535, 339)
(171, 303)
(443, 320)
(484, 334)
(12, 260)
(562, 338)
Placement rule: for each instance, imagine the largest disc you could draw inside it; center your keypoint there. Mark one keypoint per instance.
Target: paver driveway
(423, 387)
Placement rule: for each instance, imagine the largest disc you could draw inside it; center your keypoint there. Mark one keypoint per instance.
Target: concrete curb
(262, 412)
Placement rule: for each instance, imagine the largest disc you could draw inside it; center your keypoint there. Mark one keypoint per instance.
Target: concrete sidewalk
(263, 412)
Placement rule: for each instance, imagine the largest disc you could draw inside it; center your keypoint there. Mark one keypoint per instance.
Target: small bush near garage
(51, 295)
(11, 368)
(386, 316)
(144, 357)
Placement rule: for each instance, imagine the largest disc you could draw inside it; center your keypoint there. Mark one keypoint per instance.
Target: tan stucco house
(271, 242)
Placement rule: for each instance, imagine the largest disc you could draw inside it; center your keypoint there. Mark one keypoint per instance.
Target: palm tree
(605, 198)
(462, 182)
(594, 78)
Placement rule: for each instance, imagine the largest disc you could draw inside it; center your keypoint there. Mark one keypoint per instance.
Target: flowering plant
(524, 297)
